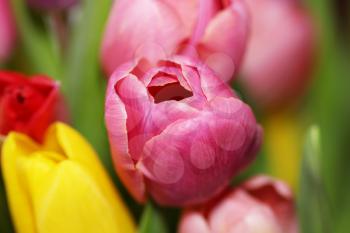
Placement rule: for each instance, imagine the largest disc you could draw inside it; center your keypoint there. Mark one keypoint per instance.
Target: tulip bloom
(177, 132)
(60, 186)
(28, 105)
(168, 27)
(7, 30)
(279, 56)
(261, 205)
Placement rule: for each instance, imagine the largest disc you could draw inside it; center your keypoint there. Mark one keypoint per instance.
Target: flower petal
(116, 123)
(128, 38)
(193, 222)
(176, 171)
(278, 196)
(217, 48)
(277, 69)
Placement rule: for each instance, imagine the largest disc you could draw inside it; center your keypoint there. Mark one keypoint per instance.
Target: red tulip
(177, 133)
(261, 205)
(28, 105)
(213, 30)
(280, 52)
(7, 30)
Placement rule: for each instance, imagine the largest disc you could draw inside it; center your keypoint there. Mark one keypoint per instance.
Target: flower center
(170, 91)
(17, 105)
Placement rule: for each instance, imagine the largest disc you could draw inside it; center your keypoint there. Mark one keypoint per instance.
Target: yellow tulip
(283, 142)
(60, 186)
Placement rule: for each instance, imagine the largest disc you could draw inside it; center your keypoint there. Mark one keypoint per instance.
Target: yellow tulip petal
(14, 151)
(60, 186)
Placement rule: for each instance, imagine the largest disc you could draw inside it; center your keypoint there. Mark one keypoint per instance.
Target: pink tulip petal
(246, 209)
(217, 47)
(176, 170)
(276, 69)
(211, 85)
(194, 223)
(206, 11)
(240, 213)
(128, 37)
(187, 11)
(171, 177)
(168, 71)
(277, 196)
(137, 104)
(186, 149)
(116, 122)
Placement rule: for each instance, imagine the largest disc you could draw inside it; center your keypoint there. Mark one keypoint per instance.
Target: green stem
(84, 84)
(332, 111)
(36, 43)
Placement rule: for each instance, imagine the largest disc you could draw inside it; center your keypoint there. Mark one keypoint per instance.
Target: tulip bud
(7, 30)
(60, 185)
(51, 5)
(177, 132)
(261, 205)
(190, 27)
(29, 105)
(279, 56)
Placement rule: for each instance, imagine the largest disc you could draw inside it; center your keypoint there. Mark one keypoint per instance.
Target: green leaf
(36, 43)
(313, 204)
(152, 221)
(84, 84)
(332, 111)
(5, 219)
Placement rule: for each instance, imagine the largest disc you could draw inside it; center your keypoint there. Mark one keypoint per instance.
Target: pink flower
(213, 30)
(279, 55)
(7, 30)
(261, 205)
(177, 132)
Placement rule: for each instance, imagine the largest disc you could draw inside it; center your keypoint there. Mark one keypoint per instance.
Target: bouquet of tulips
(164, 116)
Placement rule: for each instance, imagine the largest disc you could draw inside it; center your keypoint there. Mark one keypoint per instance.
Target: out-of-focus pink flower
(214, 30)
(279, 55)
(7, 30)
(177, 132)
(52, 5)
(261, 205)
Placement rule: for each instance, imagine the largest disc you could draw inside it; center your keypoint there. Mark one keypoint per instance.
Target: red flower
(28, 105)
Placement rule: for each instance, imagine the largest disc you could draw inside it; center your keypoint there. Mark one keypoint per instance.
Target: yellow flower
(283, 141)
(60, 186)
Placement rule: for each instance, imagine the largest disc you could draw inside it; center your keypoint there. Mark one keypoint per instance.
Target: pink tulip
(261, 205)
(280, 51)
(213, 30)
(7, 30)
(177, 133)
